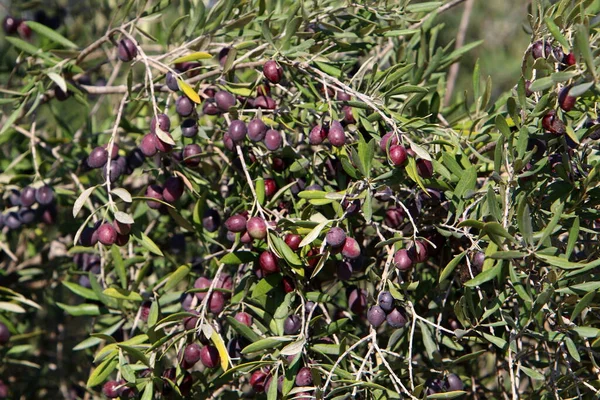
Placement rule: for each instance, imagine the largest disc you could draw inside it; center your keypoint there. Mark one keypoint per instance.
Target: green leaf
(200, 55)
(11, 307)
(284, 251)
(102, 372)
(265, 344)
(572, 349)
(533, 374)
(134, 353)
(496, 341)
(313, 234)
(177, 276)
(582, 304)
(558, 261)
(238, 257)
(119, 265)
(80, 310)
(50, 34)
(583, 46)
(447, 395)
(12, 118)
(265, 285)
(242, 329)
(494, 229)
(80, 290)
(541, 84)
(81, 200)
(148, 391)
(485, 276)
(557, 208)
(148, 243)
(449, 268)
(122, 294)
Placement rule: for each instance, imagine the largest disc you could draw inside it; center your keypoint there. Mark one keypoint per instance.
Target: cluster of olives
(106, 233)
(119, 165)
(387, 310)
(28, 206)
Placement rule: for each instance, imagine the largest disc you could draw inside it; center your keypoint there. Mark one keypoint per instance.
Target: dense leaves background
(485, 237)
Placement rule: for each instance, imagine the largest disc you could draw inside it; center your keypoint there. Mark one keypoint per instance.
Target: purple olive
(209, 355)
(191, 155)
(4, 334)
(189, 128)
(272, 71)
(336, 134)
(225, 100)
(236, 223)
(268, 262)
(317, 135)
(402, 260)
(98, 157)
(184, 106)
(304, 377)
(27, 198)
(172, 189)
(148, 145)
(171, 80)
(257, 228)
(335, 237)
(273, 139)
(164, 123)
(351, 248)
(397, 318)
(292, 325)
(386, 301)
(376, 316)
(126, 50)
(257, 130)
(107, 235)
(155, 192)
(237, 130)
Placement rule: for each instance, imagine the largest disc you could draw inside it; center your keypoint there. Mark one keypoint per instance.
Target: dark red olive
(351, 249)
(236, 223)
(244, 318)
(384, 141)
(4, 334)
(164, 123)
(258, 380)
(107, 235)
(191, 155)
(357, 300)
(111, 389)
(424, 168)
(272, 71)
(553, 124)
(202, 283)
(402, 260)
(335, 237)
(155, 192)
(268, 262)
(11, 24)
(172, 189)
(565, 101)
(257, 228)
(336, 134)
(398, 155)
(304, 377)
(265, 102)
(317, 135)
(209, 355)
(148, 145)
(293, 241)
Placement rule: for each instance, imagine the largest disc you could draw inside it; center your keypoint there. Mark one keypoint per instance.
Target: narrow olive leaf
(312, 235)
(124, 217)
(580, 89)
(541, 84)
(135, 353)
(242, 329)
(524, 220)
(238, 257)
(272, 391)
(259, 188)
(80, 310)
(573, 236)
(119, 265)
(215, 337)
(587, 331)
(508, 255)
(411, 170)
(149, 244)
(448, 269)
(564, 76)
(123, 194)
(122, 294)
(447, 395)
(485, 276)
(164, 136)
(557, 208)
(12, 118)
(200, 55)
(559, 262)
(80, 290)
(270, 343)
(572, 349)
(471, 223)
(555, 31)
(497, 341)
(265, 285)
(188, 91)
(582, 304)
(153, 314)
(11, 307)
(100, 374)
(59, 80)
(285, 251)
(496, 229)
(580, 288)
(177, 276)
(81, 200)
(583, 45)
(502, 126)
(50, 34)
(312, 194)
(533, 374)
(419, 151)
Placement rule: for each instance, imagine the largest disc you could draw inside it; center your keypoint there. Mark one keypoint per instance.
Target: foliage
(485, 236)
